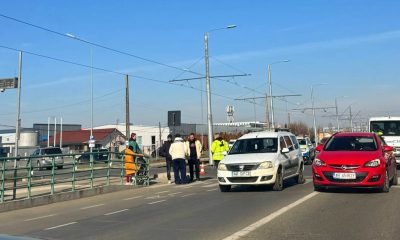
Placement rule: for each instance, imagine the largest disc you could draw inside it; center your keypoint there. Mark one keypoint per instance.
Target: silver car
(43, 158)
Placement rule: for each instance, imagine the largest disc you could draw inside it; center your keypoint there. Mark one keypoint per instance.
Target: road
(200, 211)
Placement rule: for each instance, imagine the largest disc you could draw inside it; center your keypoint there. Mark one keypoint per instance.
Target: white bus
(389, 129)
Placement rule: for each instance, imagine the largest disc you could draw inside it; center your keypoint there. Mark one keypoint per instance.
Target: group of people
(176, 151)
(131, 150)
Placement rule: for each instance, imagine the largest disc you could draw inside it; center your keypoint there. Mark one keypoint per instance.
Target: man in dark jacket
(164, 152)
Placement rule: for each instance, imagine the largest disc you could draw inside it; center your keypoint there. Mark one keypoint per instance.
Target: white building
(148, 137)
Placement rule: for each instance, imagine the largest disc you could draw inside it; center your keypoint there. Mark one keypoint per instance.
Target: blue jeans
(179, 170)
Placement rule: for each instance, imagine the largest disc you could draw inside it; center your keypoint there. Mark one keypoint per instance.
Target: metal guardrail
(25, 179)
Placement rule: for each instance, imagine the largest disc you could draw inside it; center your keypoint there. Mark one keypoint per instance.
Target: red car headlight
(319, 163)
(373, 163)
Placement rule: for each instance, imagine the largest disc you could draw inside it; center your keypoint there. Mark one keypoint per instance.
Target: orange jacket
(130, 167)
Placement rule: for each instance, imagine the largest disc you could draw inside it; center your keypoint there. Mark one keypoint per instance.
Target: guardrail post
(91, 170)
(122, 169)
(52, 175)
(15, 178)
(29, 177)
(3, 170)
(73, 173)
(108, 168)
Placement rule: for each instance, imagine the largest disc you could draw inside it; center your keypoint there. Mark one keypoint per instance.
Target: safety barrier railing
(25, 177)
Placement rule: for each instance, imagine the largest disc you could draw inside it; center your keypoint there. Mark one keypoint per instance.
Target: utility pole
(208, 88)
(160, 143)
(18, 124)
(127, 121)
(351, 119)
(267, 121)
(270, 94)
(48, 132)
(337, 115)
(61, 133)
(55, 132)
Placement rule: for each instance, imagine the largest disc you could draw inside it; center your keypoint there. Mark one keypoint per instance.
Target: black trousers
(194, 162)
(180, 170)
(168, 161)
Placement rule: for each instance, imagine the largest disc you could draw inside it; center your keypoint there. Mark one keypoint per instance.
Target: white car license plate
(241, 174)
(344, 175)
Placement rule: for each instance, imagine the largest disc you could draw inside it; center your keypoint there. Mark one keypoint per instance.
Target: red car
(354, 160)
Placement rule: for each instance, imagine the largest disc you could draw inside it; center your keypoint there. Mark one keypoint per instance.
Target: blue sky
(354, 46)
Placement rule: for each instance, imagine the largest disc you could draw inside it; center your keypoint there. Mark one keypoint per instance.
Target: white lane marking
(268, 218)
(63, 225)
(37, 218)
(93, 206)
(172, 194)
(155, 197)
(119, 211)
(214, 189)
(162, 192)
(157, 202)
(187, 195)
(395, 186)
(126, 199)
(210, 185)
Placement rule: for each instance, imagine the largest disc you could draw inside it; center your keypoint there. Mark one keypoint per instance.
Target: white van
(262, 158)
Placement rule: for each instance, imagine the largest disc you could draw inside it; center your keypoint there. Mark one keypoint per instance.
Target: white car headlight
(222, 167)
(373, 163)
(319, 163)
(266, 165)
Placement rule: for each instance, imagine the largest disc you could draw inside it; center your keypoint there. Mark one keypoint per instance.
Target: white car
(262, 158)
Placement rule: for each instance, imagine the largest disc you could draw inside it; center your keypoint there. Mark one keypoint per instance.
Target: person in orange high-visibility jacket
(130, 167)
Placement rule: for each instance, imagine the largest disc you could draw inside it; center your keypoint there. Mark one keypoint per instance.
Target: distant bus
(389, 129)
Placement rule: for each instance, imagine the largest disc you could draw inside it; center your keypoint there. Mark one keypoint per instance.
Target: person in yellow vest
(219, 149)
(130, 167)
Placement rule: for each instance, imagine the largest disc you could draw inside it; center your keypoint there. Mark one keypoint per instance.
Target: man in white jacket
(178, 151)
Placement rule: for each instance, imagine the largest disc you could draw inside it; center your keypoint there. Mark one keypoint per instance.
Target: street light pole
(18, 124)
(270, 92)
(313, 112)
(208, 89)
(337, 115)
(316, 138)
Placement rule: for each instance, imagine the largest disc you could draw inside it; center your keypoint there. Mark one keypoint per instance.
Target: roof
(264, 134)
(389, 118)
(82, 136)
(356, 134)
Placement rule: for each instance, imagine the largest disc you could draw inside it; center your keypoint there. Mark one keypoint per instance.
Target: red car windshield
(351, 143)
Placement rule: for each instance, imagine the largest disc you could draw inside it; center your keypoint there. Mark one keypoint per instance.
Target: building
(45, 129)
(29, 141)
(77, 141)
(149, 138)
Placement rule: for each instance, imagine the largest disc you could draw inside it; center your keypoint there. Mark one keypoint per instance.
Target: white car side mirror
(285, 150)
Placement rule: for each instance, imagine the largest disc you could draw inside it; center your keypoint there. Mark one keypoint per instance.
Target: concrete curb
(60, 197)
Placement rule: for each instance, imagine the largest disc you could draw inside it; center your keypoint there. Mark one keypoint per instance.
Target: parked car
(99, 155)
(355, 160)
(262, 158)
(307, 149)
(43, 158)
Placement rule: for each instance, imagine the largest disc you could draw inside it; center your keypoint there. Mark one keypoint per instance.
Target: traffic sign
(6, 83)
(92, 142)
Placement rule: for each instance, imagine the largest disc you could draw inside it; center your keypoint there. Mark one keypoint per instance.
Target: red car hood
(348, 157)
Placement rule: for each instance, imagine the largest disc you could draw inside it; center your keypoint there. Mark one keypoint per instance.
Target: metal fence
(26, 177)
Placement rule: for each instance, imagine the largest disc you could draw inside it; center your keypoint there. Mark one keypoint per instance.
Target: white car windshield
(255, 145)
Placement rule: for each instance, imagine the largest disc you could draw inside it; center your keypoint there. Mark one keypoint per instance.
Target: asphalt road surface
(200, 211)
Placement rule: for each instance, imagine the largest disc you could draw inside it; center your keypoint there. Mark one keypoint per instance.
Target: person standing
(194, 147)
(178, 151)
(130, 167)
(134, 144)
(219, 149)
(164, 152)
